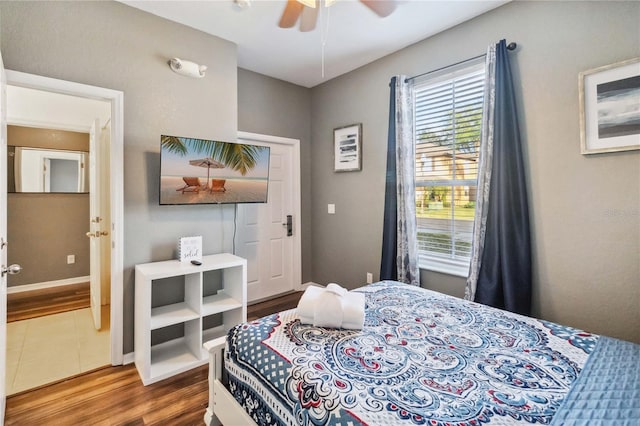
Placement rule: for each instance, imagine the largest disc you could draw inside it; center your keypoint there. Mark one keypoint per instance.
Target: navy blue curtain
(388, 266)
(504, 279)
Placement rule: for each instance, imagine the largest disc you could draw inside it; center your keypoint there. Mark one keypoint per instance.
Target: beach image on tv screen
(203, 171)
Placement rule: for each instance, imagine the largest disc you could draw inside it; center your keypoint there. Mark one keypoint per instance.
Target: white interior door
(105, 214)
(3, 238)
(95, 231)
(273, 257)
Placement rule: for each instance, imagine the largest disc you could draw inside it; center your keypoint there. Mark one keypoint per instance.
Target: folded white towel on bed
(353, 311)
(328, 310)
(332, 307)
(307, 303)
(335, 288)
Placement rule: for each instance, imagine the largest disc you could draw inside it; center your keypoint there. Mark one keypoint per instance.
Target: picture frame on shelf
(347, 148)
(190, 248)
(610, 108)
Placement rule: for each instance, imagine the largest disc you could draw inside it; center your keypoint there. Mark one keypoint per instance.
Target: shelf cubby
(170, 330)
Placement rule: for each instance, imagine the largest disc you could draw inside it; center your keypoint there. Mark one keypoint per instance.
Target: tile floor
(46, 349)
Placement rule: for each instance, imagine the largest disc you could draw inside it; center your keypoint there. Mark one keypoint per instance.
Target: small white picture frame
(610, 108)
(347, 148)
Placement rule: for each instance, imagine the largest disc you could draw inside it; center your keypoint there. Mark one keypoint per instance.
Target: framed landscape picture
(347, 148)
(610, 108)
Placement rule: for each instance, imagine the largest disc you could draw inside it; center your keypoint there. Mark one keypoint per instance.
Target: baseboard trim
(47, 284)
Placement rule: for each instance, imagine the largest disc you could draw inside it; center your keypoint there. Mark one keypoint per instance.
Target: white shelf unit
(158, 361)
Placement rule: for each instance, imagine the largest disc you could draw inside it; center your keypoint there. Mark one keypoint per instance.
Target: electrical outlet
(71, 259)
(369, 277)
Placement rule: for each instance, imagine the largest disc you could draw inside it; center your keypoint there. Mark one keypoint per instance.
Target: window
(448, 119)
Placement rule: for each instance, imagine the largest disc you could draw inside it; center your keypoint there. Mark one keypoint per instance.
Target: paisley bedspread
(422, 358)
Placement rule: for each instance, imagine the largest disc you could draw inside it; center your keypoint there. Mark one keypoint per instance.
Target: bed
(422, 358)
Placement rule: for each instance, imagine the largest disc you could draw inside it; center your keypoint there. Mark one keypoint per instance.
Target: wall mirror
(47, 170)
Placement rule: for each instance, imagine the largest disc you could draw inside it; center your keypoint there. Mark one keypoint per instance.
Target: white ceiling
(353, 34)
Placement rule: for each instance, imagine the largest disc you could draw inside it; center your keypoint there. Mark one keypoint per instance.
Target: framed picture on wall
(610, 108)
(347, 148)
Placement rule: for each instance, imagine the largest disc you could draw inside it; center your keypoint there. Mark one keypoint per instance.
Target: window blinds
(448, 120)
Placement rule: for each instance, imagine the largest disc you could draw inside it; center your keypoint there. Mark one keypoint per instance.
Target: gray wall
(43, 229)
(585, 214)
(127, 49)
(274, 107)
(585, 223)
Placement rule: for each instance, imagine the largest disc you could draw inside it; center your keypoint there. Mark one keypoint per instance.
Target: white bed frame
(223, 408)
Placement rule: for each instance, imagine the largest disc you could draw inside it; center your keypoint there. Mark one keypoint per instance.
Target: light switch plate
(331, 208)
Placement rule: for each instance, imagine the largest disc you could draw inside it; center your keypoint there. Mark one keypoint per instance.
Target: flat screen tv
(202, 171)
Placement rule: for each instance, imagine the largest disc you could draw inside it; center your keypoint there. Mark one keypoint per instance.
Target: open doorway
(57, 234)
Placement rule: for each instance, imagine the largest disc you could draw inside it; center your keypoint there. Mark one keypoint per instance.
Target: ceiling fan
(307, 11)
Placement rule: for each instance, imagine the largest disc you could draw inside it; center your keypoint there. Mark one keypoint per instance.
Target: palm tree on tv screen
(238, 157)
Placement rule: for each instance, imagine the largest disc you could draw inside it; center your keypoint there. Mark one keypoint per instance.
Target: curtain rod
(510, 46)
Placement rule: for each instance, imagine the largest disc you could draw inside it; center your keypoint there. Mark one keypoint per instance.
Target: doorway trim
(116, 99)
(297, 242)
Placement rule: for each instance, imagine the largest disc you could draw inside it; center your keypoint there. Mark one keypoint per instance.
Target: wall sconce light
(187, 68)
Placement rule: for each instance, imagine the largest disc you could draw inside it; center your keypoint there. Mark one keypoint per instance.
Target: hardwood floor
(113, 396)
(38, 303)
(116, 396)
(279, 304)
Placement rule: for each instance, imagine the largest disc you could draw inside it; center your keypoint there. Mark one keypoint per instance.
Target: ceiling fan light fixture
(307, 11)
(308, 3)
(242, 4)
(313, 3)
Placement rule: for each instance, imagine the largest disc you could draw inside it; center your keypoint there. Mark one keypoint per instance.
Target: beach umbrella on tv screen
(208, 163)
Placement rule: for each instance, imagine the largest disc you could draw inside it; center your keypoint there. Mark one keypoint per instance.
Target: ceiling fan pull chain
(324, 32)
(323, 61)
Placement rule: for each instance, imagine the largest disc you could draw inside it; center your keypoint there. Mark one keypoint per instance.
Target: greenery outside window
(448, 120)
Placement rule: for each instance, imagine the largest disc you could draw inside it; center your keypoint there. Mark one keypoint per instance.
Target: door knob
(97, 234)
(11, 270)
(289, 225)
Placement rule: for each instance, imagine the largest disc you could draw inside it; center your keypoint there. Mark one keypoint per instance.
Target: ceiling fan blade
(309, 19)
(381, 8)
(291, 14)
